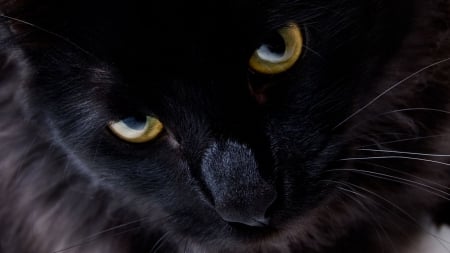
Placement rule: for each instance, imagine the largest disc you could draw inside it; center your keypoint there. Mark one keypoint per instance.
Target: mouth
(253, 223)
(255, 232)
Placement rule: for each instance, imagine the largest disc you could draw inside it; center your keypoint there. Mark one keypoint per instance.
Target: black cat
(310, 126)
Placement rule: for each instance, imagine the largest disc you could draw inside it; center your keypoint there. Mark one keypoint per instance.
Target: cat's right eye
(137, 129)
(278, 52)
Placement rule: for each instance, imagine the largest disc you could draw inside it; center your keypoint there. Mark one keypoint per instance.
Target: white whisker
(368, 211)
(403, 110)
(65, 39)
(416, 109)
(428, 182)
(414, 220)
(402, 152)
(313, 51)
(422, 186)
(158, 245)
(390, 89)
(405, 140)
(96, 236)
(394, 157)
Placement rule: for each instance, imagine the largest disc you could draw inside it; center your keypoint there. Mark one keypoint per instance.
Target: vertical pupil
(275, 43)
(136, 123)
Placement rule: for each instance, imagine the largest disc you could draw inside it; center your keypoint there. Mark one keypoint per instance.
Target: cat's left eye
(278, 52)
(137, 129)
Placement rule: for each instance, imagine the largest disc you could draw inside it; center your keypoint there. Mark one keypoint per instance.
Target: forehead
(167, 33)
(166, 37)
(168, 18)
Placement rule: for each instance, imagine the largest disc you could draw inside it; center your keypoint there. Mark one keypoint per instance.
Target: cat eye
(278, 52)
(137, 129)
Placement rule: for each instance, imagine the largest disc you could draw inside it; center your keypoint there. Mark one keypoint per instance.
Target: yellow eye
(279, 52)
(137, 130)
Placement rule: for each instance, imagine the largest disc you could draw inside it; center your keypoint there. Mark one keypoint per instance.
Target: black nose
(240, 194)
(252, 213)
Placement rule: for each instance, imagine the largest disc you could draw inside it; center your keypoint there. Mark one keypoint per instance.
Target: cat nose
(239, 193)
(252, 213)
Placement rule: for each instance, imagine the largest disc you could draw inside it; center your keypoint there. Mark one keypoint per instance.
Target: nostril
(261, 222)
(250, 211)
(244, 220)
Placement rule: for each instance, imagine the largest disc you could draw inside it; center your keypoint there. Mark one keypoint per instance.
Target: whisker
(65, 39)
(405, 140)
(367, 210)
(394, 157)
(157, 246)
(97, 235)
(403, 110)
(425, 187)
(314, 52)
(402, 152)
(414, 220)
(390, 89)
(416, 109)
(343, 139)
(91, 240)
(428, 182)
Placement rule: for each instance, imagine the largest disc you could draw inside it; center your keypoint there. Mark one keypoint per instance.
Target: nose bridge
(240, 194)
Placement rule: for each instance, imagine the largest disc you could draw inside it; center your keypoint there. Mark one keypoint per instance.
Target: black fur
(70, 67)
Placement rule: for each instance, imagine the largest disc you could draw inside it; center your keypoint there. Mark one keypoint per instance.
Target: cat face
(239, 154)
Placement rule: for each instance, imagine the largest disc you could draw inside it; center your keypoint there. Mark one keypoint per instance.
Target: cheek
(110, 155)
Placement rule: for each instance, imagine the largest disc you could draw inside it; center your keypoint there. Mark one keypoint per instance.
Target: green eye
(137, 130)
(279, 52)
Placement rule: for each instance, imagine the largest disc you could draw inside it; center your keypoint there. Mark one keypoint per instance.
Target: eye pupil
(279, 51)
(273, 44)
(136, 123)
(136, 129)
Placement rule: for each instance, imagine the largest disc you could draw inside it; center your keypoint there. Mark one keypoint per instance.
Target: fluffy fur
(343, 184)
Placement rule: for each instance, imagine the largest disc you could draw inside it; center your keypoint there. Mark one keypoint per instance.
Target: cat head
(221, 114)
